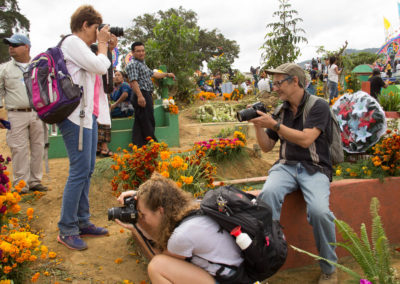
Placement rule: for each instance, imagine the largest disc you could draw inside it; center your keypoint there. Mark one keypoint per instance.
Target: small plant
(353, 84)
(373, 257)
(390, 101)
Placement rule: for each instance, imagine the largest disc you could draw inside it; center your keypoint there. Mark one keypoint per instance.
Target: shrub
(390, 101)
(373, 257)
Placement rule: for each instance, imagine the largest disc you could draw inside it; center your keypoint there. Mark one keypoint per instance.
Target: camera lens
(114, 213)
(246, 114)
(117, 31)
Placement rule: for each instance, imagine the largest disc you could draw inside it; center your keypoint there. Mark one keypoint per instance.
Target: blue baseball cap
(17, 39)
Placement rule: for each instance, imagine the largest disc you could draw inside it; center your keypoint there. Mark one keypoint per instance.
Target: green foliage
(353, 84)
(209, 43)
(11, 20)
(219, 64)
(173, 45)
(350, 61)
(226, 132)
(238, 77)
(390, 101)
(281, 45)
(374, 260)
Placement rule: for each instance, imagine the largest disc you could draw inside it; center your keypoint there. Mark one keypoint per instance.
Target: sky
(326, 22)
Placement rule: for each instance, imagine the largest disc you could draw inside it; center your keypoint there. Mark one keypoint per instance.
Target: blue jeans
(75, 204)
(284, 179)
(333, 90)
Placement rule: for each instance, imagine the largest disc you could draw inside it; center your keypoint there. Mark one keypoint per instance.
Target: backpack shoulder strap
(308, 106)
(61, 41)
(192, 214)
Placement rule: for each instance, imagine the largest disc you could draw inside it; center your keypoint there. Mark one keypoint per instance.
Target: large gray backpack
(334, 139)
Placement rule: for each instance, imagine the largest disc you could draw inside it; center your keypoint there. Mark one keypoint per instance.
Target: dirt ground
(97, 263)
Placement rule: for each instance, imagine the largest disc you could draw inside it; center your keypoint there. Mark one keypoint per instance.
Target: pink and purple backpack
(50, 88)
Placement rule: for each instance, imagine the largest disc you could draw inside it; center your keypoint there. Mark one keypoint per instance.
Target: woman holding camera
(193, 250)
(83, 65)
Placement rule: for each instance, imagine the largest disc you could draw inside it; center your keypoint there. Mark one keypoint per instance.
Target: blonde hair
(158, 192)
(84, 13)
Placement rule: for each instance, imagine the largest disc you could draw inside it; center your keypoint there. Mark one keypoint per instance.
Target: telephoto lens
(251, 112)
(127, 213)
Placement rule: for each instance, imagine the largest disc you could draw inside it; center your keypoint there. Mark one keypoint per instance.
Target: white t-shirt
(198, 238)
(83, 65)
(398, 67)
(332, 75)
(263, 85)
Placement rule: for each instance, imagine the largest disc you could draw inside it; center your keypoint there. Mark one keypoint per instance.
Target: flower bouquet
(361, 119)
(170, 106)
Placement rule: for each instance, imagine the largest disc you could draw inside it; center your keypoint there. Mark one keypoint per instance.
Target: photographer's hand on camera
(264, 120)
(124, 194)
(103, 37)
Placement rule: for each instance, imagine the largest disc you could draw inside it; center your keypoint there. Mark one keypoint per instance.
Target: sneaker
(72, 242)
(328, 278)
(93, 231)
(38, 187)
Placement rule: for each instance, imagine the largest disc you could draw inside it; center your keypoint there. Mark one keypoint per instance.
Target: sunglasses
(280, 82)
(15, 44)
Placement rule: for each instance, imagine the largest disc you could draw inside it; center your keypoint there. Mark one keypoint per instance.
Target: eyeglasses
(15, 44)
(280, 82)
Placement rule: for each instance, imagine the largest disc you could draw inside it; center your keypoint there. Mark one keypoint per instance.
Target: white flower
(171, 101)
(165, 103)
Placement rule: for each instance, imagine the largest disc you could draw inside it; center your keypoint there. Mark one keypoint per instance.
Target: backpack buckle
(222, 203)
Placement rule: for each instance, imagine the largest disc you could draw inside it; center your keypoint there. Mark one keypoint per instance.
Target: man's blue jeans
(284, 179)
(75, 204)
(333, 90)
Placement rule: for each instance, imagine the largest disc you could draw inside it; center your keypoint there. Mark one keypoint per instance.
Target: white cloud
(326, 22)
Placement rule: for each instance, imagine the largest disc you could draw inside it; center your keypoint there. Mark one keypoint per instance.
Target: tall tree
(174, 44)
(209, 44)
(11, 20)
(283, 37)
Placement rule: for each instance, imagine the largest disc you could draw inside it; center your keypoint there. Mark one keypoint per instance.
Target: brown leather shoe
(328, 278)
(38, 187)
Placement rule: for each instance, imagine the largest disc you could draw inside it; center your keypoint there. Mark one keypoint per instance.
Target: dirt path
(97, 264)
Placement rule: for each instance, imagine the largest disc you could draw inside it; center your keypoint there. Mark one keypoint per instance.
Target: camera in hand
(117, 31)
(251, 112)
(127, 213)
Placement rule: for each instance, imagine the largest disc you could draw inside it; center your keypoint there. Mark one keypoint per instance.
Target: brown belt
(21, 109)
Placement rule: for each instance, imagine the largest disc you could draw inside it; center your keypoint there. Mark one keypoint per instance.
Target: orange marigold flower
(35, 277)
(52, 254)
(164, 155)
(118, 260)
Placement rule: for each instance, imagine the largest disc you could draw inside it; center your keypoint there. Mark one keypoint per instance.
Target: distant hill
(347, 51)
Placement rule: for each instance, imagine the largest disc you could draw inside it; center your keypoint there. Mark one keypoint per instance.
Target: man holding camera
(139, 76)
(26, 134)
(301, 144)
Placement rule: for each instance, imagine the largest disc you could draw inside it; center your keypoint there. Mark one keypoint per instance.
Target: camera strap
(146, 240)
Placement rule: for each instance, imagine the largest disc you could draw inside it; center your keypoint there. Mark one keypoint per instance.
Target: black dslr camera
(127, 214)
(117, 31)
(251, 112)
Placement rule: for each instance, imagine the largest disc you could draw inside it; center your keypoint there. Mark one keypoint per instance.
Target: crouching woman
(193, 251)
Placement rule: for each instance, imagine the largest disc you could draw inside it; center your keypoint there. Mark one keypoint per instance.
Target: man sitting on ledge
(304, 160)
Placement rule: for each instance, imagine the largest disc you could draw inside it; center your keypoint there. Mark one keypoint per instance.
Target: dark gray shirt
(319, 117)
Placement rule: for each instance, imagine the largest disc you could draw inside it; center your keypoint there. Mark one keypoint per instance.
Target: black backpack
(231, 207)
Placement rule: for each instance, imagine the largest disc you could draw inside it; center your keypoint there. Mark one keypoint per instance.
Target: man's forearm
(136, 89)
(266, 143)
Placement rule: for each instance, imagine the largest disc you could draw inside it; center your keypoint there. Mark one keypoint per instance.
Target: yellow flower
(165, 174)
(338, 172)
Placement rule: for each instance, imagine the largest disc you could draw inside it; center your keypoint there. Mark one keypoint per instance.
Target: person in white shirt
(208, 251)
(333, 78)
(83, 65)
(264, 83)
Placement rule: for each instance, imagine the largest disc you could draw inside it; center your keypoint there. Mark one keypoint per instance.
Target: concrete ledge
(349, 201)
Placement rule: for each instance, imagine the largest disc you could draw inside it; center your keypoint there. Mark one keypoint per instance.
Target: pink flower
(364, 281)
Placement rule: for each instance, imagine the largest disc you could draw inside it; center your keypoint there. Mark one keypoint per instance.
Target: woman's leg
(167, 269)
